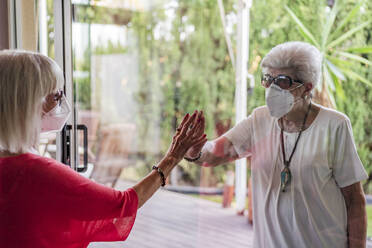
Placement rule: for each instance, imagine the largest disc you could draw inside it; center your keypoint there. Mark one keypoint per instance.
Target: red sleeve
(92, 211)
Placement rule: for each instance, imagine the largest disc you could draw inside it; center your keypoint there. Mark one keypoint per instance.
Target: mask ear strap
(310, 94)
(305, 97)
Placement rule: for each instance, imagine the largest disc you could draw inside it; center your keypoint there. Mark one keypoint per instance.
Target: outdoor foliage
(339, 54)
(185, 65)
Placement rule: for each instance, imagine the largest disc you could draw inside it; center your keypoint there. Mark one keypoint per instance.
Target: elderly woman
(44, 203)
(306, 171)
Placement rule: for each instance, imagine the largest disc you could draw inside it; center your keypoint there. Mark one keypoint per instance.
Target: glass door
(118, 91)
(138, 67)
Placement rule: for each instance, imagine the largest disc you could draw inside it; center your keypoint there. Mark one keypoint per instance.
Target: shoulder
(41, 166)
(256, 116)
(261, 116)
(261, 112)
(49, 173)
(334, 117)
(36, 160)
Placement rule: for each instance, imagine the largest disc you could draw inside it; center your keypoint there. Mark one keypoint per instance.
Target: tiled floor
(172, 220)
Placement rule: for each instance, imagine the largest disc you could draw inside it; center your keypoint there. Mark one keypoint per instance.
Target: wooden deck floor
(172, 220)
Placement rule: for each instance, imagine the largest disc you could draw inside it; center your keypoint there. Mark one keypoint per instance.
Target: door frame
(63, 56)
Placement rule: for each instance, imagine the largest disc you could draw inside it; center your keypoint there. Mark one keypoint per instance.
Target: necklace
(285, 174)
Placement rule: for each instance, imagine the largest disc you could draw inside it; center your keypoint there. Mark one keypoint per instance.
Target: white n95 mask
(279, 101)
(56, 118)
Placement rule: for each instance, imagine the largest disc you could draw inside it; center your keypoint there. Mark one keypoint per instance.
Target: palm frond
(339, 62)
(328, 25)
(366, 49)
(356, 76)
(348, 18)
(305, 31)
(336, 71)
(327, 78)
(348, 34)
(355, 57)
(339, 90)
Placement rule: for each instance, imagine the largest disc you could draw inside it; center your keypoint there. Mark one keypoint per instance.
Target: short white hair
(303, 59)
(26, 78)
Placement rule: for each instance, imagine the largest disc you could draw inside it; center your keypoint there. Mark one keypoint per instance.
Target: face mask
(279, 101)
(55, 119)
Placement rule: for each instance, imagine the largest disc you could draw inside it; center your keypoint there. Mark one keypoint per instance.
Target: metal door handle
(66, 143)
(85, 133)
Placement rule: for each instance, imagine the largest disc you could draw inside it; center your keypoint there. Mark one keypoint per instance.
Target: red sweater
(44, 203)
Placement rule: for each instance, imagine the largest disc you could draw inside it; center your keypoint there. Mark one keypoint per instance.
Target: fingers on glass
(193, 123)
(185, 118)
(201, 127)
(191, 127)
(199, 140)
(198, 129)
(196, 119)
(187, 124)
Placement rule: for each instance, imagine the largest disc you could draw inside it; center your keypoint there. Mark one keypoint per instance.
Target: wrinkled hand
(189, 133)
(194, 150)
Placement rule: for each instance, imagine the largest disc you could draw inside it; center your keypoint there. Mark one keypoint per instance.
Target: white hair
(26, 78)
(303, 59)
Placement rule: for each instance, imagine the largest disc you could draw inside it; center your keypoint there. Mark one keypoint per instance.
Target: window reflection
(45, 45)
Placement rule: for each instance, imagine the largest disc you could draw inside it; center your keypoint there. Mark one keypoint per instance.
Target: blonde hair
(26, 78)
(303, 59)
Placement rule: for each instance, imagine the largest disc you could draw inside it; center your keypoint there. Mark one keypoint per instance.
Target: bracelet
(193, 159)
(161, 175)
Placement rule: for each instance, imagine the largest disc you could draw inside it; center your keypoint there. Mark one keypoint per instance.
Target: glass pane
(45, 45)
(139, 66)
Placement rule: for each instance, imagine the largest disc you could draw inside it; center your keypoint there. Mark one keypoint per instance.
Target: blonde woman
(44, 203)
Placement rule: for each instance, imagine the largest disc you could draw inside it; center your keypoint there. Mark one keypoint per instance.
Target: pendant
(285, 178)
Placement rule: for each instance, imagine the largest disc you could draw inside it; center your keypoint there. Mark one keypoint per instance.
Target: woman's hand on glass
(195, 150)
(190, 133)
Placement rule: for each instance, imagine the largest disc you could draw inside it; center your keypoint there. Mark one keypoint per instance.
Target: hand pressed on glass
(195, 150)
(186, 137)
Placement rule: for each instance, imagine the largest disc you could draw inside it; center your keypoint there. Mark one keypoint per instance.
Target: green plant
(334, 43)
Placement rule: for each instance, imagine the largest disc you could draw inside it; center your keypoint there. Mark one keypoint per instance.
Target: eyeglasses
(283, 81)
(52, 100)
(58, 96)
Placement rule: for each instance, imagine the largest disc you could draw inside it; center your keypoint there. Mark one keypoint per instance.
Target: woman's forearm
(356, 215)
(208, 159)
(189, 133)
(152, 182)
(357, 224)
(217, 152)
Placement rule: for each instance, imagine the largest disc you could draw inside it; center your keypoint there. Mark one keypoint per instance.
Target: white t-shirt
(312, 211)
